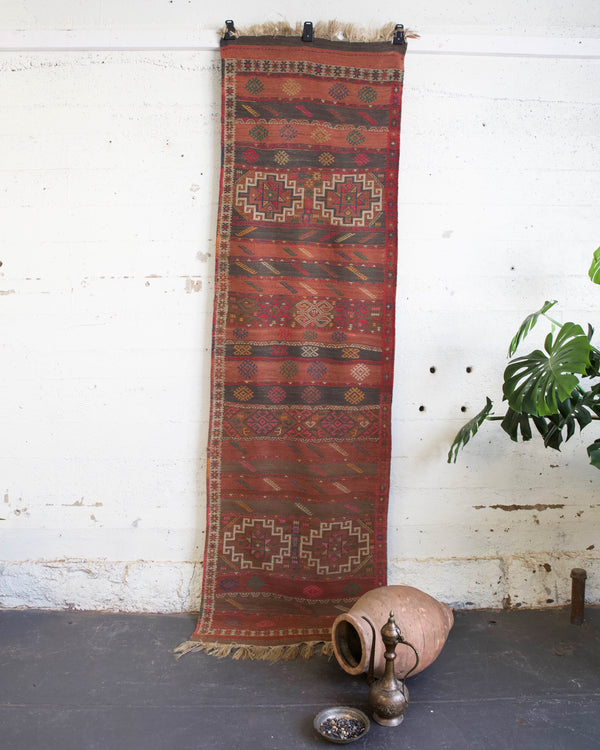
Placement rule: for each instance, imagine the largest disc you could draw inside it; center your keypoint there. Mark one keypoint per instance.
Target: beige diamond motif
(291, 88)
(360, 372)
(320, 135)
(281, 158)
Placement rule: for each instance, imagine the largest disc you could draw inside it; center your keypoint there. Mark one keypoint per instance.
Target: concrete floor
(87, 681)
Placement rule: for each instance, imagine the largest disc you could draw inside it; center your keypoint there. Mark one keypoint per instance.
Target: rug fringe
(285, 652)
(336, 31)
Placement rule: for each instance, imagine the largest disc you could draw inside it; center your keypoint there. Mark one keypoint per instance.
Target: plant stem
(554, 322)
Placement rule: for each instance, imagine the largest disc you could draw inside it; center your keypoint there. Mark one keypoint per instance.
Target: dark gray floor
(85, 681)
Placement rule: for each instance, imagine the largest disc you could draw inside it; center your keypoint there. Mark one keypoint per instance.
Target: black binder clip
(307, 32)
(231, 32)
(398, 34)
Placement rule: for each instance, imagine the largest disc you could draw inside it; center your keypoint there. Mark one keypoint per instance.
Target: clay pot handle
(371, 672)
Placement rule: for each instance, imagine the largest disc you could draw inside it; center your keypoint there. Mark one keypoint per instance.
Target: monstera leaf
(578, 410)
(536, 383)
(593, 371)
(593, 452)
(527, 325)
(594, 272)
(515, 423)
(467, 431)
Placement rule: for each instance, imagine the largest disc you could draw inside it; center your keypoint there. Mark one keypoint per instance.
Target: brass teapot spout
(388, 696)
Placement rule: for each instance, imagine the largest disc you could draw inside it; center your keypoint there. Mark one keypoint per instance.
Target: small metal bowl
(341, 712)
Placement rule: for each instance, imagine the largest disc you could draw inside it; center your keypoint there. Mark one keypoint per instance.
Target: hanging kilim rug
(303, 341)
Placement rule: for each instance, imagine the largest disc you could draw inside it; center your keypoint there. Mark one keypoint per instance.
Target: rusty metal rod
(578, 576)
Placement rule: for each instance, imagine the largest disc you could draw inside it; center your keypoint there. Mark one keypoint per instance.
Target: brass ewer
(388, 697)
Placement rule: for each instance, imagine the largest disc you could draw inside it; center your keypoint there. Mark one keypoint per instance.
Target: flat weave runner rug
(303, 341)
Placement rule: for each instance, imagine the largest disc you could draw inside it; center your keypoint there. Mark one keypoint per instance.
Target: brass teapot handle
(406, 643)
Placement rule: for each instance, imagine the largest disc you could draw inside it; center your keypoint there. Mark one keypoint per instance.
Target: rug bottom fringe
(285, 652)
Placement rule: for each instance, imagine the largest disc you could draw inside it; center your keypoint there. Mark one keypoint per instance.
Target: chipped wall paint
(193, 285)
(101, 585)
(109, 201)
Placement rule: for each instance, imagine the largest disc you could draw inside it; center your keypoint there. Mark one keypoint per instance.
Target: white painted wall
(108, 193)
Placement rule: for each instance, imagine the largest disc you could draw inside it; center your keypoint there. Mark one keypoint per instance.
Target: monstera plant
(553, 391)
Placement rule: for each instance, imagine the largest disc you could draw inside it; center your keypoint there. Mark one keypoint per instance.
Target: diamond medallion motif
(354, 396)
(311, 395)
(243, 393)
(360, 372)
(317, 313)
(256, 544)
(262, 423)
(335, 547)
(276, 394)
(337, 424)
(350, 200)
(263, 196)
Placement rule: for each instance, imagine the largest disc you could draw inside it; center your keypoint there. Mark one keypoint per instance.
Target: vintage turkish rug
(303, 341)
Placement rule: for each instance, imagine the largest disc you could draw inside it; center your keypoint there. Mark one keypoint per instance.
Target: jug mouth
(349, 646)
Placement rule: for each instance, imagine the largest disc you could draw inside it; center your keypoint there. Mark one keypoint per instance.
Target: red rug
(303, 341)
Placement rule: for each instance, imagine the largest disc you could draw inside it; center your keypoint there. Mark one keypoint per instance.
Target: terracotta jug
(423, 621)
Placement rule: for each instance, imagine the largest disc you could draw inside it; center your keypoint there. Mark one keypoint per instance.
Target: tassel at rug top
(335, 31)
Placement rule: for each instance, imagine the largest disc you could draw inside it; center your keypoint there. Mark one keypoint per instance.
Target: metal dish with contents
(341, 724)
